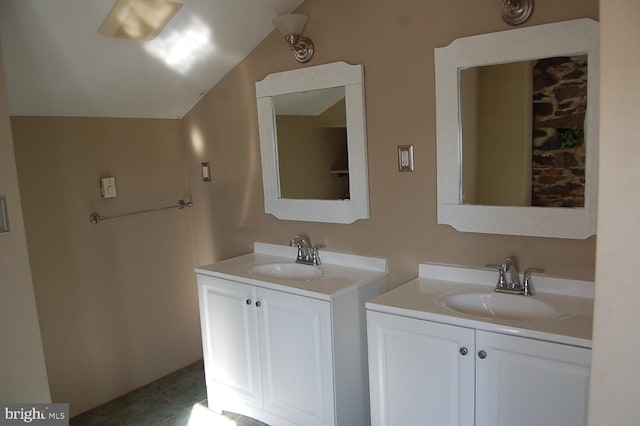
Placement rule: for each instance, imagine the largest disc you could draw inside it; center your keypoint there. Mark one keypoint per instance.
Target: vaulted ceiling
(56, 64)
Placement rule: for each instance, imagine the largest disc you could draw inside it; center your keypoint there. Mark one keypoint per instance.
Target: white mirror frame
(558, 39)
(314, 78)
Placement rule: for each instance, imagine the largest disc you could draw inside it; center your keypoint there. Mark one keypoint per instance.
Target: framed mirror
(313, 145)
(517, 131)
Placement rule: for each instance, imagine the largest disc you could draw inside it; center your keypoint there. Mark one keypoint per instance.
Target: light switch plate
(108, 187)
(206, 172)
(4, 216)
(405, 158)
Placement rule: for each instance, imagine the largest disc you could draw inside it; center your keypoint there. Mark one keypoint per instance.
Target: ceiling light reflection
(181, 49)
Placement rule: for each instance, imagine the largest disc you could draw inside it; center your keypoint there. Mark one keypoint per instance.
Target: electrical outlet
(405, 158)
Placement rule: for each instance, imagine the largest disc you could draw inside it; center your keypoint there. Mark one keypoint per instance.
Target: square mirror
(517, 131)
(313, 144)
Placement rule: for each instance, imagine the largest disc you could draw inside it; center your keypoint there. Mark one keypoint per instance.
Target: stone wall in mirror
(313, 144)
(524, 120)
(517, 131)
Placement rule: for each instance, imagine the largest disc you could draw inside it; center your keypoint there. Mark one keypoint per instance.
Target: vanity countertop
(340, 272)
(420, 297)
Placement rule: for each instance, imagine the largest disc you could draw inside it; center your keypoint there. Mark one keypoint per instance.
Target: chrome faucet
(306, 254)
(508, 266)
(513, 285)
(514, 278)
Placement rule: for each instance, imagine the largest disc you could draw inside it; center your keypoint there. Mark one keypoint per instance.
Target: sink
(286, 271)
(499, 306)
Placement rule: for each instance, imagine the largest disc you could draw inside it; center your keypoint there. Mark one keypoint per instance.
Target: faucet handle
(527, 286)
(502, 282)
(315, 256)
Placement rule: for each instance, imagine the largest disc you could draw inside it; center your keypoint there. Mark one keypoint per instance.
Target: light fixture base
(516, 12)
(302, 48)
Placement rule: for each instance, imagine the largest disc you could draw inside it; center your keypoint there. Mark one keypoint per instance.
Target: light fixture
(516, 12)
(291, 27)
(138, 19)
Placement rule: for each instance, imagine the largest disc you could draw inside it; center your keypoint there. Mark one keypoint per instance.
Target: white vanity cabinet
(287, 351)
(267, 349)
(431, 364)
(528, 382)
(416, 373)
(428, 373)
(230, 343)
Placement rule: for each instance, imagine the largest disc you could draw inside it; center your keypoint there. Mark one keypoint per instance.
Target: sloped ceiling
(57, 64)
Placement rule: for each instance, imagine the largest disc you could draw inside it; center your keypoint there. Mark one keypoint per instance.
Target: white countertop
(418, 299)
(340, 272)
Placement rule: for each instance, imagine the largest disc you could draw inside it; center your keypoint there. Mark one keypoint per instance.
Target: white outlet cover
(405, 158)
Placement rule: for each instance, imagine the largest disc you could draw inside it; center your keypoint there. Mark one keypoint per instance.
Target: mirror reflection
(311, 132)
(523, 138)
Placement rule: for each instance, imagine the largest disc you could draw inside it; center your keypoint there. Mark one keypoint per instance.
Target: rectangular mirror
(311, 133)
(313, 144)
(517, 131)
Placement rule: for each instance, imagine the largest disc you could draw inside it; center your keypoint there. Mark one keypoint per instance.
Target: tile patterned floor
(177, 399)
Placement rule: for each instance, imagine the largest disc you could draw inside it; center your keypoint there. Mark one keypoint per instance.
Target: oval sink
(499, 306)
(286, 271)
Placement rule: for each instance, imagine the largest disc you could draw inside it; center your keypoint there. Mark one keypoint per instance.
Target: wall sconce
(291, 27)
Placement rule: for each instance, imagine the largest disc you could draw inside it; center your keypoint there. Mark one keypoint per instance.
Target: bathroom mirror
(311, 133)
(494, 81)
(313, 145)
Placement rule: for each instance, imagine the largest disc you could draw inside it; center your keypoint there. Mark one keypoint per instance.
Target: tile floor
(179, 398)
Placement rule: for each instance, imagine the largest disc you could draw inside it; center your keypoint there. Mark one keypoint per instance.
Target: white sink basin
(499, 306)
(286, 271)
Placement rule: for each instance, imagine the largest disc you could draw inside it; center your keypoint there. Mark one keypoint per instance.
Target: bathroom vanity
(285, 343)
(446, 349)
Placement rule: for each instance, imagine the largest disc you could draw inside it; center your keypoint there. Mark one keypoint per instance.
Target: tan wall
(23, 376)
(504, 133)
(117, 301)
(394, 41)
(306, 155)
(469, 118)
(334, 116)
(615, 376)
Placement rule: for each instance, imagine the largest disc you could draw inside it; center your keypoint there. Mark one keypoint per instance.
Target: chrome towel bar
(96, 218)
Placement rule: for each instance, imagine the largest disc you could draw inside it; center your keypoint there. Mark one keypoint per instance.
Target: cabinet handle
(482, 354)
(258, 304)
(248, 301)
(463, 351)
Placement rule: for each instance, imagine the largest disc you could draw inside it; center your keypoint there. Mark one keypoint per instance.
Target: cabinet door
(295, 339)
(230, 344)
(418, 373)
(529, 382)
